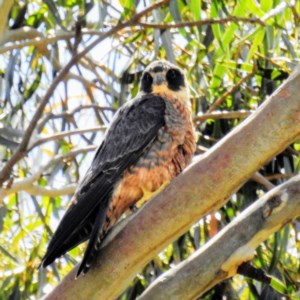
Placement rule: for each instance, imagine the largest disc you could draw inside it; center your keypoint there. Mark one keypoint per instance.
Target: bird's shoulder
(132, 129)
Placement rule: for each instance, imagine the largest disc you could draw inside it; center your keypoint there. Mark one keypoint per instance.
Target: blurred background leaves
(235, 54)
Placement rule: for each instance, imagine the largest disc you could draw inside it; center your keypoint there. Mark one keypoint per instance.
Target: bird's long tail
(93, 246)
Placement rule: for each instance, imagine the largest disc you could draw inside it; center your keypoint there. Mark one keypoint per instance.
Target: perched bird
(150, 141)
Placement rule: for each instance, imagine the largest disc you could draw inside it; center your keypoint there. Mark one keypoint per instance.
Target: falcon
(150, 141)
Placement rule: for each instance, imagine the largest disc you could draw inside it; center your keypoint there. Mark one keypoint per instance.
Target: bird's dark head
(163, 78)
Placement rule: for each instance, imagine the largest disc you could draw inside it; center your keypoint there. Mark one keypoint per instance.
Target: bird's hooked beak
(158, 79)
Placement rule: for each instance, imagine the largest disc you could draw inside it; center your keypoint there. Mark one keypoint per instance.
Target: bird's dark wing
(132, 131)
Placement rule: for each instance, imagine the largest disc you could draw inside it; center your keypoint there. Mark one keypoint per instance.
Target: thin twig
(21, 151)
(295, 14)
(223, 115)
(36, 190)
(280, 176)
(262, 180)
(70, 114)
(61, 135)
(27, 184)
(203, 22)
(220, 100)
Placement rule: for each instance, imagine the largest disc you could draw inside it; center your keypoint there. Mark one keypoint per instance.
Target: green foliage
(216, 56)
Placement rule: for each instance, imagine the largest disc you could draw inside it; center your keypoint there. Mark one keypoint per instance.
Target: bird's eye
(147, 78)
(173, 74)
(175, 79)
(146, 84)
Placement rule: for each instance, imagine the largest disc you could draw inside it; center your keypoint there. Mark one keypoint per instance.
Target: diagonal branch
(232, 90)
(60, 135)
(28, 184)
(203, 187)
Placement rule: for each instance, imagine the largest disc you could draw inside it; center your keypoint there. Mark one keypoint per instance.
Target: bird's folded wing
(131, 133)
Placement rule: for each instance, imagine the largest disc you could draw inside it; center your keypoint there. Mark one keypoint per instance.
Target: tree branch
(60, 135)
(262, 180)
(202, 188)
(220, 100)
(28, 185)
(36, 190)
(5, 7)
(70, 114)
(237, 241)
(223, 115)
(203, 22)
